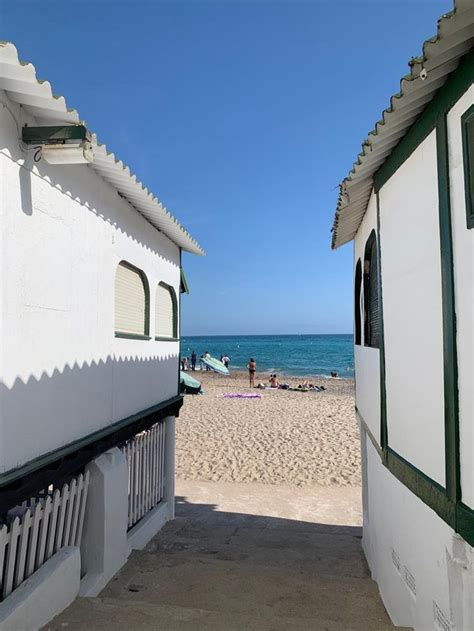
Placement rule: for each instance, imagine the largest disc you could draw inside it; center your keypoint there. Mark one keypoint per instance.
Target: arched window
(357, 288)
(166, 313)
(132, 304)
(371, 293)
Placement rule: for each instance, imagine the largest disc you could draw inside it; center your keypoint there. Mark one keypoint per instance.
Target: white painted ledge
(149, 525)
(43, 595)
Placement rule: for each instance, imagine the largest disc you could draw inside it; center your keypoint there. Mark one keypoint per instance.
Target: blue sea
(298, 355)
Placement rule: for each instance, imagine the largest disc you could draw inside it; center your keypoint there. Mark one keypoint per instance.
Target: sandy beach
(284, 437)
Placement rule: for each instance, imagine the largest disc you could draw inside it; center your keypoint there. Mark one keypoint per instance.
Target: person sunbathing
(274, 383)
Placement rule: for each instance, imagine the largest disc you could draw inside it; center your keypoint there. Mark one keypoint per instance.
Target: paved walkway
(244, 556)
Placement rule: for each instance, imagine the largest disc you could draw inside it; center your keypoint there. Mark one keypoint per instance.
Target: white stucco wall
(367, 366)
(366, 359)
(412, 305)
(406, 543)
(463, 246)
(63, 372)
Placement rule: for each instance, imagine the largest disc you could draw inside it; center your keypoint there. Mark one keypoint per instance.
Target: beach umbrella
(189, 384)
(215, 365)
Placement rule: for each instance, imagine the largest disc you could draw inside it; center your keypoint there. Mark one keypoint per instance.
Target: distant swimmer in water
(252, 368)
(333, 374)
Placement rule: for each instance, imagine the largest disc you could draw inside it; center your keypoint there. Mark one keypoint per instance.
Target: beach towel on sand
(241, 395)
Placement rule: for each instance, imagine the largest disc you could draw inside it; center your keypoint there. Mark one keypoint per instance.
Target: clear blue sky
(242, 117)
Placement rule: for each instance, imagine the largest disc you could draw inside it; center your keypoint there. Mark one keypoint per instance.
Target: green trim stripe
(451, 412)
(422, 486)
(383, 391)
(132, 336)
(57, 454)
(465, 522)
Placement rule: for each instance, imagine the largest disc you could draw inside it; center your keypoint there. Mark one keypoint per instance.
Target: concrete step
(217, 568)
(312, 553)
(105, 614)
(213, 584)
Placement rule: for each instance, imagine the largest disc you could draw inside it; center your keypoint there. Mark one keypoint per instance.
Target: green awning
(184, 287)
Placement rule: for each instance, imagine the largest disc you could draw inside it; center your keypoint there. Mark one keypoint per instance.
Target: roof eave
(19, 80)
(441, 56)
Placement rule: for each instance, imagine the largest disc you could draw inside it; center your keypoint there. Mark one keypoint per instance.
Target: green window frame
(174, 306)
(183, 285)
(120, 331)
(467, 129)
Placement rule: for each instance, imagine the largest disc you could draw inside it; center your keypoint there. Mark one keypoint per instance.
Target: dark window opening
(371, 293)
(357, 289)
(467, 123)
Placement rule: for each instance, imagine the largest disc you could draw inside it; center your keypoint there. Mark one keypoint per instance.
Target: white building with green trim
(408, 205)
(89, 345)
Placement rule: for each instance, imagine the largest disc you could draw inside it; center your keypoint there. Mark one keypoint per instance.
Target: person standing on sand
(193, 360)
(252, 367)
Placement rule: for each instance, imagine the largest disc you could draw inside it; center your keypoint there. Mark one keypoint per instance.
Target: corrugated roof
(441, 55)
(19, 80)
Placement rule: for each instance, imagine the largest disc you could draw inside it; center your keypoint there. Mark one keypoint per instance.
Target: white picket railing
(145, 454)
(48, 524)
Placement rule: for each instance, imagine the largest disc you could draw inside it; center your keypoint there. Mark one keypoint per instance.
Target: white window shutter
(130, 301)
(164, 312)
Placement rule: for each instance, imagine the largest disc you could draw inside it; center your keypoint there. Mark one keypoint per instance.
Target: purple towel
(241, 395)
